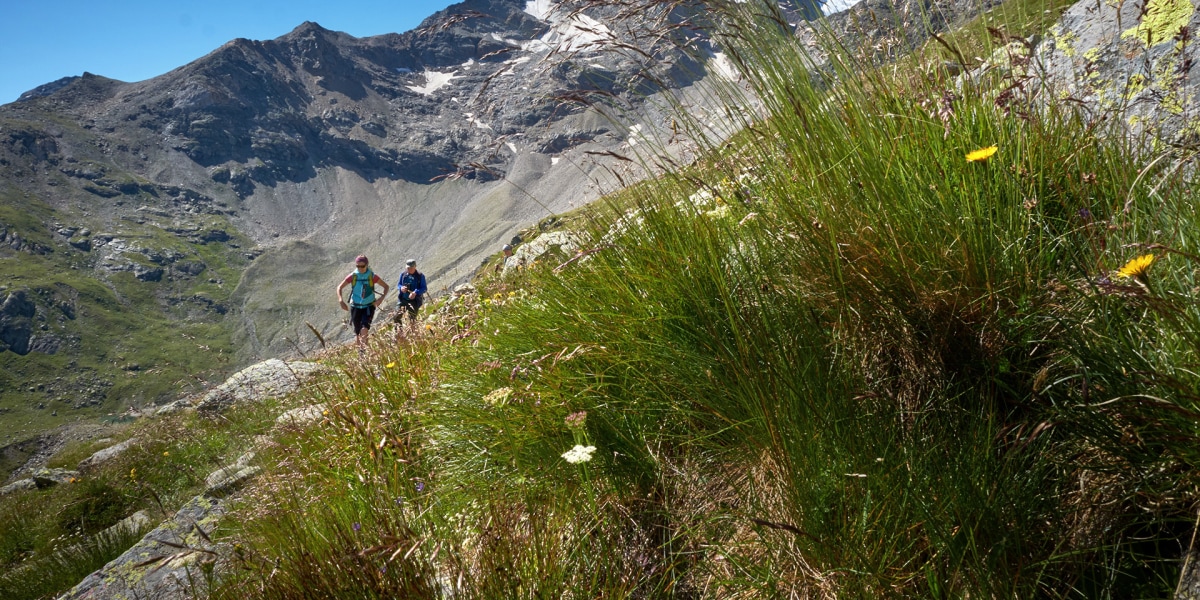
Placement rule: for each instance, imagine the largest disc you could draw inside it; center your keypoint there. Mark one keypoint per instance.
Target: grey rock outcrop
(19, 485)
(165, 564)
(16, 322)
(169, 563)
(232, 476)
(273, 378)
(1134, 61)
(45, 477)
(138, 521)
(107, 454)
(301, 417)
(269, 379)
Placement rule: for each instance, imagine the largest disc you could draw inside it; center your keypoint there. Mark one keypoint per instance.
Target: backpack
(363, 292)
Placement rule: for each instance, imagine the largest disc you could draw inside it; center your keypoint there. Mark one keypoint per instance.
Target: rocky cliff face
(1131, 61)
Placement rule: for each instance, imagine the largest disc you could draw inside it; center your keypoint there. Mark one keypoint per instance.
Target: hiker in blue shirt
(363, 300)
(412, 292)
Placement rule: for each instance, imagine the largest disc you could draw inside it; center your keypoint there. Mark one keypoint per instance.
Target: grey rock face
(16, 322)
(269, 379)
(107, 454)
(45, 478)
(165, 563)
(19, 485)
(226, 477)
(301, 417)
(224, 481)
(1189, 581)
(138, 521)
(1132, 60)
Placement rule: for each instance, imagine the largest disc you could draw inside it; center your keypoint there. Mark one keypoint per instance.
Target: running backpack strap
(363, 293)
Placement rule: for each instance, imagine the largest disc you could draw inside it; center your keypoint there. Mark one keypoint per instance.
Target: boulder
(164, 564)
(226, 479)
(138, 521)
(266, 380)
(1127, 58)
(106, 454)
(301, 417)
(19, 485)
(45, 478)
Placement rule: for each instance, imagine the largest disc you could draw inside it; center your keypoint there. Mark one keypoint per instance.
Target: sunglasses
(360, 264)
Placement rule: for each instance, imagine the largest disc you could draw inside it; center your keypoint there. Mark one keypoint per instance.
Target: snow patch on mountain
(434, 81)
(580, 33)
(540, 9)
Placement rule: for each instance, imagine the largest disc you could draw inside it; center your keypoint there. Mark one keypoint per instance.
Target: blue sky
(132, 40)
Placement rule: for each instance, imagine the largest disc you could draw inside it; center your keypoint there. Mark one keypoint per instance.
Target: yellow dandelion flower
(391, 364)
(1136, 267)
(981, 154)
(166, 453)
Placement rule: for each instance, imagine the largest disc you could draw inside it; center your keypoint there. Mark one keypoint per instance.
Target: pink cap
(361, 258)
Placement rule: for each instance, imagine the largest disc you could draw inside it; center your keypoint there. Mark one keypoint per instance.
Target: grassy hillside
(869, 349)
(125, 303)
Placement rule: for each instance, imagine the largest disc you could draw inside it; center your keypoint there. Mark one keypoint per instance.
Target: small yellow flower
(981, 154)
(391, 364)
(1136, 267)
(166, 453)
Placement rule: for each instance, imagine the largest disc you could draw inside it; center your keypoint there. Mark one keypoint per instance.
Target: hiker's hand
(377, 302)
(342, 303)
(404, 288)
(412, 296)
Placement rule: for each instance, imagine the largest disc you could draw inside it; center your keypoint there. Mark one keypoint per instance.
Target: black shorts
(361, 317)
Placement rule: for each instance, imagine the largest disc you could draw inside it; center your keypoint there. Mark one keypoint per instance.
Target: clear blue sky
(132, 40)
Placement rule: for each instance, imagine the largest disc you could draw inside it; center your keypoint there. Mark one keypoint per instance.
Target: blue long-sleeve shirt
(414, 281)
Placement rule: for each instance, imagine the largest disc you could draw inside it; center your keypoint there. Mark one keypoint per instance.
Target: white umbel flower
(579, 454)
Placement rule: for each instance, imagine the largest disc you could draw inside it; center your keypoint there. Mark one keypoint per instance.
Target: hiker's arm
(342, 299)
(420, 285)
(383, 295)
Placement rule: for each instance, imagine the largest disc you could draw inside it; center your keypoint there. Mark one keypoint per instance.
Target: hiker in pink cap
(363, 300)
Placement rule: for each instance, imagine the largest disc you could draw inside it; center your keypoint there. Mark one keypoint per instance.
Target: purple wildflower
(356, 526)
(420, 486)
(576, 420)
